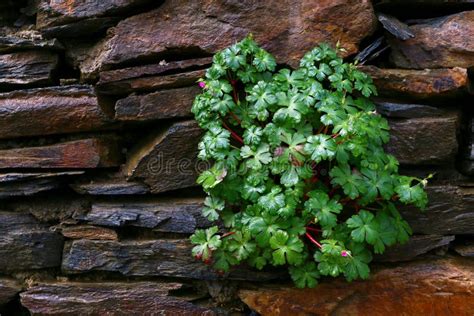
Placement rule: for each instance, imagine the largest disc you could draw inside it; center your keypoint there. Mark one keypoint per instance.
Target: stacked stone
(98, 152)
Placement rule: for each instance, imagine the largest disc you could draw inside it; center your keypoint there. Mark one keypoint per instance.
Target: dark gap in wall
(14, 308)
(419, 9)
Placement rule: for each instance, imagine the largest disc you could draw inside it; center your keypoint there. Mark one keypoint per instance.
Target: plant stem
(227, 234)
(235, 117)
(313, 240)
(234, 134)
(313, 229)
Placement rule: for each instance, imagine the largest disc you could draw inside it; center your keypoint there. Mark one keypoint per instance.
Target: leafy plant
(299, 174)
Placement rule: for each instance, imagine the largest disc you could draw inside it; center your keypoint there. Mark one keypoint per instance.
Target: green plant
(299, 174)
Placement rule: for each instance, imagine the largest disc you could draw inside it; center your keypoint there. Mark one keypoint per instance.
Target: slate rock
(26, 244)
(77, 154)
(87, 232)
(176, 216)
(110, 187)
(9, 288)
(424, 141)
(164, 104)
(108, 298)
(47, 111)
(167, 160)
(395, 109)
(419, 84)
(438, 43)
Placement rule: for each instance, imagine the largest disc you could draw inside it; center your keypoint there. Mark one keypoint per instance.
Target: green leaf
(206, 241)
(323, 208)
(306, 275)
(321, 147)
(286, 249)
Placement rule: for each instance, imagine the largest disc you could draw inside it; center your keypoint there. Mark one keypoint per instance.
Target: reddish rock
(58, 12)
(165, 104)
(167, 160)
(419, 84)
(109, 298)
(438, 43)
(423, 141)
(88, 232)
(9, 288)
(26, 244)
(48, 111)
(29, 68)
(78, 154)
(287, 29)
(145, 84)
(440, 287)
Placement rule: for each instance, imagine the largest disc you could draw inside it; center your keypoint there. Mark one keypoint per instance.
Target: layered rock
(165, 104)
(441, 287)
(438, 43)
(427, 140)
(162, 257)
(110, 187)
(392, 109)
(176, 216)
(286, 29)
(27, 244)
(30, 40)
(87, 232)
(419, 84)
(449, 211)
(29, 68)
(134, 298)
(9, 288)
(48, 111)
(167, 160)
(78, 154)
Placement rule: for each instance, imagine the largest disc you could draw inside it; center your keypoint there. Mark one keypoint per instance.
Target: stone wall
(98, 147)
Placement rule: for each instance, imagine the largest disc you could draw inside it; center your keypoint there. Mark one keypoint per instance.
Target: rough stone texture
(9, 288)
(438, 43)
(428, 140)
(52, 13)
(286, 28)
(54, 208)
(419, 84)
(28, 68)
(25, 41)
(177, 216)
(442, 287)
(167, 161)
(134, 298)
(407, 110)
(48, 111)
(449, 211)
(26, 244)
(166, 104)
(465, 249)
(151, 83)
(78, 154)
(165, 257)
(88, 27)
(14, 177)
(110, 187)
(88, 232)
(27, 188)
(416, 246)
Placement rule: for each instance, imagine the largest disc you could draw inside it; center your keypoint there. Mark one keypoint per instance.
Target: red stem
(335, 135)
(235, 117)
(234, 134)
(227, 234)
(313, 229)
(313, 240)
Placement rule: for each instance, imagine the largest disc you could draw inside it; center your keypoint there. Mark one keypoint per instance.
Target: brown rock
(78, 154)
(393, 109)
(287, 29)
(177, 216)
(441, 287)
(417, 245)
(94, 299)
(48, 111)
(449, 211)
(165, 104)
(27, 244)
(9, 288)
(88, 232)
(52, 13)
(438, 43)
(29, 68)
(47, 209)
(164, 257)
(30, 40)
(418, 84)
(145, 84)
(168, 160)
(114, 81)
(14, 177)
(428, 140)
